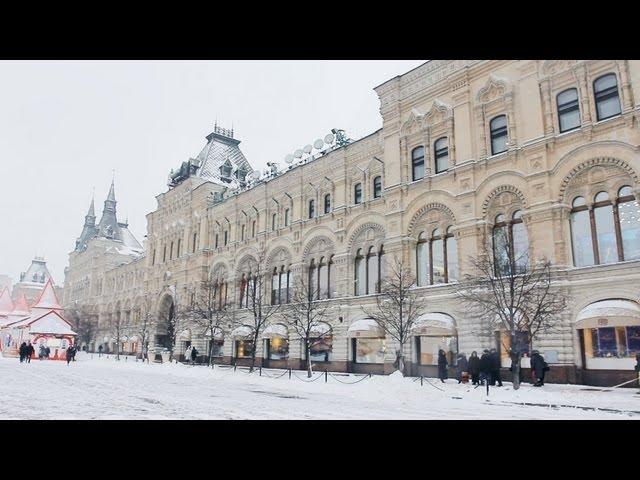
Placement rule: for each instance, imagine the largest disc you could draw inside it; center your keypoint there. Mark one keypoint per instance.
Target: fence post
(421, 384)
(289, 374)
(260, 370)
(370, 375)
(235, 366)
(326, 376)
(126, 358)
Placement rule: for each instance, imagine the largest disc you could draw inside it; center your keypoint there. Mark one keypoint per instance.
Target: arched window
(286, 217)
(171, 251)
(357, 193)
(243, 291)
(275, 287)
(216, 241)
(498, 132)
(568, 110)
(327, 203)
(242, 232)
(312, 207)
(607, 232)
(377, 187)
(605, 90)
(274, 223)
(629, 216)
(164, 253)
(195, 242)
(441, 154)
(417, 163)
(360, 274)
(226, 237)
(436, 258)
(178, 253)
(253, 228)
(323, 279)
(510, 244)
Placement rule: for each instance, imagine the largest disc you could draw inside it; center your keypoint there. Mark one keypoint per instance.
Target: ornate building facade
(546, 149)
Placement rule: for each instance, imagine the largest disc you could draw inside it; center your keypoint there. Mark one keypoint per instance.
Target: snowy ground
(101, 388)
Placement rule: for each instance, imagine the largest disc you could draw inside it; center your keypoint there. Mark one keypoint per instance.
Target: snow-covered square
(103, 388)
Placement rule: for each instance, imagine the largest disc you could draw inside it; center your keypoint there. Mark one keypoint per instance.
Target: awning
(185, 335)
(497, 321)
(434, 324)
(218, 334)
(134, 338)
(365, 328)
(275, 330)
(242, 331)
(124, 338)
(609, 313)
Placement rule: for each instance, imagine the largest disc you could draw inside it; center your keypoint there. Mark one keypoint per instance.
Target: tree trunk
(309, 370)
(400, 360)
(516, 359)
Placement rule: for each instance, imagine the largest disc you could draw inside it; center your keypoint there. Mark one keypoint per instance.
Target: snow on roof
(48, 299)
(6, 304)
(365, 327)
(51, 323)
(613, 311)
(320, 328)
(218, 150)
(242, 331)
(21, 306)
(275, 330)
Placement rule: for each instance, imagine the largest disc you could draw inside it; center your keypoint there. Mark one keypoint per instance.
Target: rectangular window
(217, 347)
(606, 234)
(629, 213)
(244, 348)
(437, 251)
(286, 217)
(429, 347)
(370, 350)
(321, 348)
(278, 348)
(372, 274)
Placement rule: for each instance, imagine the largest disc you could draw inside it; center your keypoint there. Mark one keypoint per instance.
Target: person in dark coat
(485, 367)
(442, 365)
(23, 351)
(462, 366)
(71, 352)
(194, 355)
(48, 352)
(30, 351)
(495, 368)
(538, 367)
(99, 350)
(474, 368)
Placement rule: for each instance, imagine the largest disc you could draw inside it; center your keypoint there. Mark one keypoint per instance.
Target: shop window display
(244, 348)
(612, 342)
(430, 346)
(370, 350)
(278, 348)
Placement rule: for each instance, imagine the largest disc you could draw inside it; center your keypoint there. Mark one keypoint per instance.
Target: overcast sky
(66, 125)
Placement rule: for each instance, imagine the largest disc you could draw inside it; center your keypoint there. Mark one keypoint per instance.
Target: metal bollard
(289, 374)
(260, 371)
(326, 377)
(235, 366)
(125, 358)
(421, 384)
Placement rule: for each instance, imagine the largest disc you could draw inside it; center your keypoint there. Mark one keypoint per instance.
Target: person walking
(48, 352)
(187, 354)
(462, 368)
(194, 355)
(42, 351)
(538, 367)
(100, 350)
(442, 365)
(485, 367)
(30, 351)
(474, 368)
(495, 368)
(70, 353)
(23, 351)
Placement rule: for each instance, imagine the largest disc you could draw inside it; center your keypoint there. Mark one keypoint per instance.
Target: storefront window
(370, 350)
(321, 348)
(278, 348)
(216, 346)
(244, 348)
(430, 346)
(612, 342)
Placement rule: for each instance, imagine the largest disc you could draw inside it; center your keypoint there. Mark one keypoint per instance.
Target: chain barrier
(350, 383)
(308, 381)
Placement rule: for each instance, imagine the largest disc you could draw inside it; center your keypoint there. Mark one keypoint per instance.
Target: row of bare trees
(502, 292)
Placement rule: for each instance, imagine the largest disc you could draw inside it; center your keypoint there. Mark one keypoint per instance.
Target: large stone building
(546, 149)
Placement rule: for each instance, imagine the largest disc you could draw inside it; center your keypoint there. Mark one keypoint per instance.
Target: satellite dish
(288, 158)
(328, 139)
(255, 175)
(318, 144)
(307, 149)
(297, 154)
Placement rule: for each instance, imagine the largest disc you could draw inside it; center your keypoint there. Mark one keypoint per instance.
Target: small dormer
(225, 170)
(241, 174)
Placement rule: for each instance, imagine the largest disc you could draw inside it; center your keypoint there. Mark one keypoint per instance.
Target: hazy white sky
(65, 125)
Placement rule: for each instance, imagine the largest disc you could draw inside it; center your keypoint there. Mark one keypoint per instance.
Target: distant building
(32, 281)
(5, 282)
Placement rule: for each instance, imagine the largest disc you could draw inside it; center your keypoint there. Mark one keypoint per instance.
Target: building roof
(50, 322)
(6, 304)
(47, 299)
(21, 307)
(37, 273)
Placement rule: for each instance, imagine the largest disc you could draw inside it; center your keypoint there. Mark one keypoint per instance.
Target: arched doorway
(166, 322)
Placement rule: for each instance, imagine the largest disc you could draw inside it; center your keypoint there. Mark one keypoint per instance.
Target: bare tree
(510, 293)
(398, 306)
(176, 319)
(257, 290)
(84, 322)
(117, 328)
(145, 324)
(306, 316)
(209, 311)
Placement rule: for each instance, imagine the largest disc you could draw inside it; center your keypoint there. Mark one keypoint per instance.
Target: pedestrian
(485, 367)
(30, 351)
(48, 352)
(474, 367)
(194, 355)
(70, 353)
(187, 353)
(42, 351)
(538, 367)
(100, 350)
(462, 368)
(23, 351)
(637, 367)
(442, 365)
(495, 368)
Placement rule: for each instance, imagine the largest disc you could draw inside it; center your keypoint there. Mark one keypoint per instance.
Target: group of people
(191, 353)
(486, 368)
(26, 351)
(44, 351)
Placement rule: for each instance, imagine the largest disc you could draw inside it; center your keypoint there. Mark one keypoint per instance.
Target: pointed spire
(21, 306)
(91, 212)
(6, 304)
(112, 196)
(48, 299)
